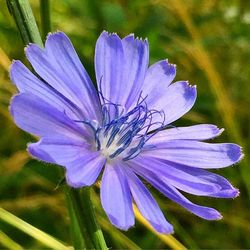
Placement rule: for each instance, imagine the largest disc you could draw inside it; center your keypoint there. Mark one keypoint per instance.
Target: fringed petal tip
(235, 153)
(230, 193)
(186, 83)
(216, 131)
(32, 47)
(172, 65)
(235, 193)
(140, 39)
(189, 90)
(49, 35)
(15, 69)
(109, 34)
(11, 67)
(219, 217)
(57, 35)
(212, 214)
(131, 35)
(191, 86)
(220, 131)
(241, 156)
(57, 32)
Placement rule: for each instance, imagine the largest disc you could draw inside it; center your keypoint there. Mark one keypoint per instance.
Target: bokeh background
(210, 43)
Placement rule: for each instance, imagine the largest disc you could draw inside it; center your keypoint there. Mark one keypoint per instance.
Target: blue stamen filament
(124, 135)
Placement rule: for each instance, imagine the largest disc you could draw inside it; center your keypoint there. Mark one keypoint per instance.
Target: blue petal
(27, 82)
(109, 60)
(85, 169)
(61, 151)
(116, 197)
(37, 117)
(147, 204)
(170, 173)
(158, 78)
(83, 166)
(191, 180)
(197, 132)
(173, 194)
(120, 67)
(59, 65)
(197, 154)
(175, 101)
(226, 189)
(135, 66)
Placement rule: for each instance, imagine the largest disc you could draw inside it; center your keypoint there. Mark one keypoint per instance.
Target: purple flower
(123, 128)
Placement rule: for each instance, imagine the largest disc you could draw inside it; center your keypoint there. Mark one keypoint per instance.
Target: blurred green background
(209, 42)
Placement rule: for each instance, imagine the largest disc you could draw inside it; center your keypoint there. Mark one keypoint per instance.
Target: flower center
(124, 135)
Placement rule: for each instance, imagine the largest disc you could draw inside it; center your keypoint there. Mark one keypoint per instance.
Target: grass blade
(7, 242)
(32, 231)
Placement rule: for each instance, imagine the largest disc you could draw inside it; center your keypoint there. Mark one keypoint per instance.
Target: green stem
(45, 17)
(78, 237)
(25, 21)
(85, 215)
(83, 221)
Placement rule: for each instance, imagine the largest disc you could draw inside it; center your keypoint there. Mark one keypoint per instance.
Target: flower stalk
(85, 216)
(25, 21)
(45, 17)
(85, 227)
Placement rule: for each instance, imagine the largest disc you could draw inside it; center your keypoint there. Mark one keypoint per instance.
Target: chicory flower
(124, 127)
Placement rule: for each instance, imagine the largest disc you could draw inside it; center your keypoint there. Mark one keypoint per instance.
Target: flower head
(124, 127)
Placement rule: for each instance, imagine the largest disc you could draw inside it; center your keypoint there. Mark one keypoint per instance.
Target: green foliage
(209, 42)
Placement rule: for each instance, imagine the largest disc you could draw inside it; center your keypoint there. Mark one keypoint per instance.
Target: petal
(83, 166)
(59, 65)
(27, 82)
(170, 173)
(175, 101)
(157, 80)
(226, 189)
(116, 197)
(147, 204)
(33, 115)
(191, 180)
(201, 211)
(58, 150)
(197, 154)
(109, 60)
(136, 53)
(196, 132)
(173, 194)
(85, 169)
(120, 67)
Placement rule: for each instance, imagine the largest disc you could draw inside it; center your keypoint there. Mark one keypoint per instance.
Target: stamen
(125, 134)
(133, 152)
